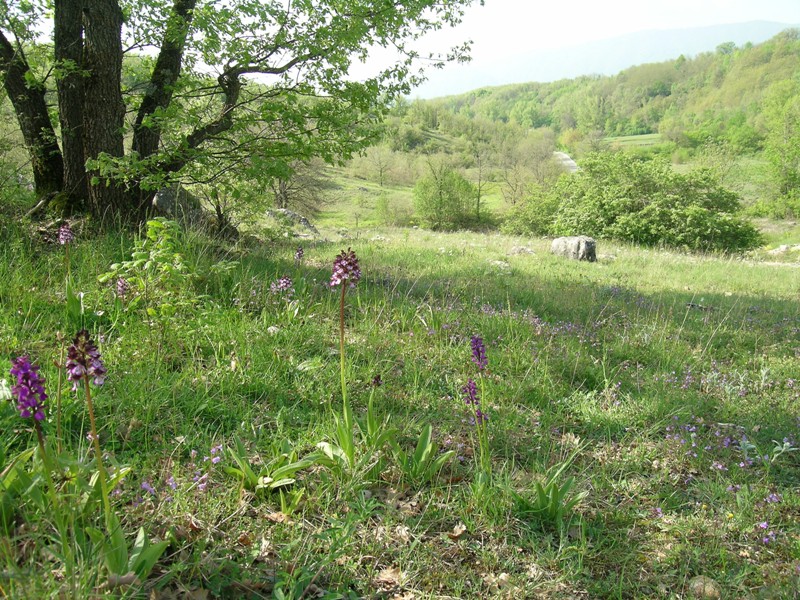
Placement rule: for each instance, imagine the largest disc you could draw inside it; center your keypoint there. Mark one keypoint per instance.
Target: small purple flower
(65, 235)
(284, 284)
(172, 483)
(763, 525)
(29, 390)
(123, 288)
(148, 488)
(345, 268)
(471, 393)
(481, 417)
(298, 255)
(773, 498)
(479, 352)
(83, 360)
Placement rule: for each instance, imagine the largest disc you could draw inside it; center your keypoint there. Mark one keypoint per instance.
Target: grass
(660, 379)
(635, 141)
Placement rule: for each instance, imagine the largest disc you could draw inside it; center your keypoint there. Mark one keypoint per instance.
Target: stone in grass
(579, 247)
(704, 588)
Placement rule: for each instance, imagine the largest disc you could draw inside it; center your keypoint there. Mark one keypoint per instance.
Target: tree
(443, 197)
(281, 88)
(782, 145)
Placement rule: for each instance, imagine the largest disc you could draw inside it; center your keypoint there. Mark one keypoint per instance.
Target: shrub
(533, 216)
(645, 202)
(443, 198)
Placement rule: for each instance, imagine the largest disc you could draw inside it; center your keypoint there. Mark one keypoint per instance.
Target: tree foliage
(248, 84)
(443, 198)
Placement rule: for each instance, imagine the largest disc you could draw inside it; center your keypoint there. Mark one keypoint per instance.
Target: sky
(506, 28)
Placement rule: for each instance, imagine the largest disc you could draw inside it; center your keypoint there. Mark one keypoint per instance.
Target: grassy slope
(603, 360)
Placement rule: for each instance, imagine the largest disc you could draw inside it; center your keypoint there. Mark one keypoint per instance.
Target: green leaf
(148, 558)
(116, 548)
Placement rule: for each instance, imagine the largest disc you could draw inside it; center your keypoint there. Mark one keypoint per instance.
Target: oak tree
(254, 84)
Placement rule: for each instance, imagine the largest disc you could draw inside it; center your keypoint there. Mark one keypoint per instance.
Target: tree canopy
(150, 92)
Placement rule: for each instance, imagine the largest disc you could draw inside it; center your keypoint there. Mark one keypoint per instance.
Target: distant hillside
(603, 57)
(716, 94)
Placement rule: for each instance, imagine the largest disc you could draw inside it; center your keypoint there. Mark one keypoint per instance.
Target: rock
(579, 247)
(704, 587)
(293, 217)
(175, 202)
(516, 250)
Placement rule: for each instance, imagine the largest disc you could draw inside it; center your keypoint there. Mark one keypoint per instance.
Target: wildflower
(479, 352)
(345, 268)
(471, 393)
(83, 360)
(284, 284)
(298, 255)
(148, 488)
(123, 288)
(29, 390)
(763, 525)
(65, 235)
(773, 498)
(481, 417)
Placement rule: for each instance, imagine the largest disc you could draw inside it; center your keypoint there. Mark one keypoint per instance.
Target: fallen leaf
(403, 533)
(496, 582)
(458, 531)
(245, 539)
(279, 517)
(389, 577)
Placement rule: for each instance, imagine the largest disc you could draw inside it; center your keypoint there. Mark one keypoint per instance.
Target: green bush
(533, 216)
(616, 195)
(626, 197)
(782, 207)
(443, 198)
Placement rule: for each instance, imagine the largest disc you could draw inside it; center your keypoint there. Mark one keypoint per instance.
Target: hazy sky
(504, 28)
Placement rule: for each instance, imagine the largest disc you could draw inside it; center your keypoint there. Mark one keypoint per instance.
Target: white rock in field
(579, 247)
(520, 250)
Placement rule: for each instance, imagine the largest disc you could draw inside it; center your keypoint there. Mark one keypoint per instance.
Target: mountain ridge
(598, 57)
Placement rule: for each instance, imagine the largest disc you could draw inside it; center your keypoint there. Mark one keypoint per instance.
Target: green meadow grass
(660, 381)
(635, 141)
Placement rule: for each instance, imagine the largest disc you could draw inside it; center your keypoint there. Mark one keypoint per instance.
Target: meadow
(653, 396)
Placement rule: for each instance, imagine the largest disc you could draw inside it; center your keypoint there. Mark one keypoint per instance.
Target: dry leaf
(496, 582)
(403, 533)
(279, 517)
(458, 531)
(194, 525)
(245, 539)
(389, 578)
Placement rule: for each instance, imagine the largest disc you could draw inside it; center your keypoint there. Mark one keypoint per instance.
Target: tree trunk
(68, 42)
(104, 110)
(34, 122)
(146, 136)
